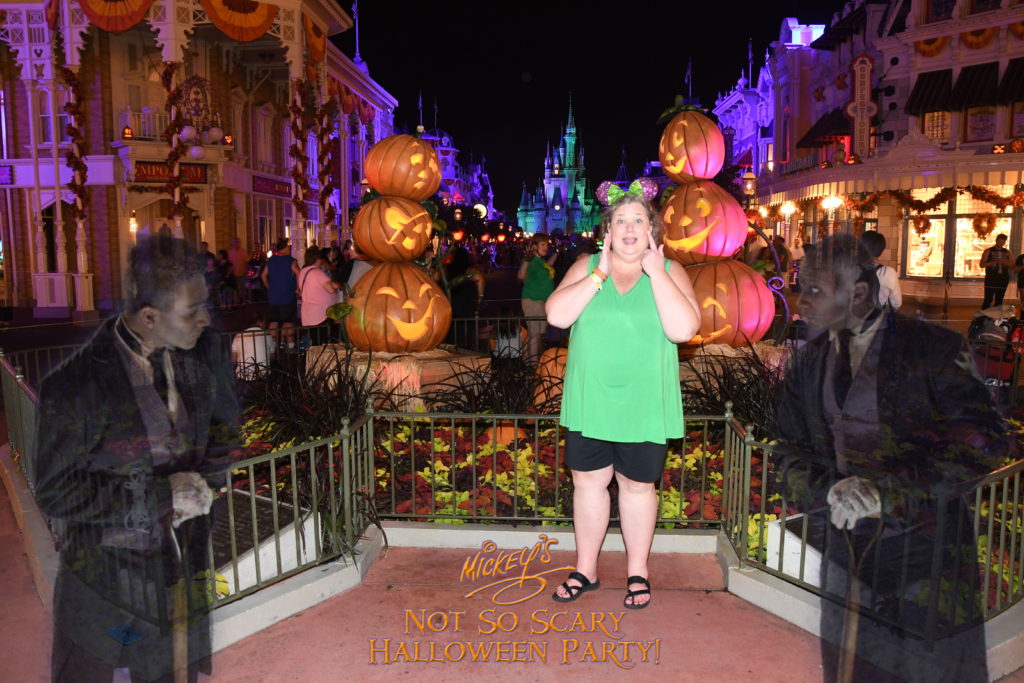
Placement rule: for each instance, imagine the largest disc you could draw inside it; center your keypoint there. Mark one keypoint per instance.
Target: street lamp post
(776, 283)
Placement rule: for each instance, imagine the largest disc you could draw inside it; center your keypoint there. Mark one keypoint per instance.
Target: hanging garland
(975, 40)
(179, 200)
(298, 153)
(984, 224)
(328, 119)
(930, 46)
(73, 129)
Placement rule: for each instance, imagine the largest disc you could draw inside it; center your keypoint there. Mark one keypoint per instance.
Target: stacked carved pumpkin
(704, 226)
(396, 307)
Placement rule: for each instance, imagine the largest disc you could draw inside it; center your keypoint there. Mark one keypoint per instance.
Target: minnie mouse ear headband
(608, 192)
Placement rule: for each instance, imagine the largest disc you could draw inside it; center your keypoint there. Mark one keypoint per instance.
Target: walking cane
(851, 616)
(179, 609)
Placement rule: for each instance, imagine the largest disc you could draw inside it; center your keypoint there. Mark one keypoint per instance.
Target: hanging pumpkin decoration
(551, 373)
(736, 306)
(691, 148)
(396, 307)
(703, 223)
(403, 166)
(392, 229)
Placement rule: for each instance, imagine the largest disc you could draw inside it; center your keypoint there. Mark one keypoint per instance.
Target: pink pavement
(693, 630)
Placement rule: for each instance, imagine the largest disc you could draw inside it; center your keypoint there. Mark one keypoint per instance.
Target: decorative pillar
(300, 161)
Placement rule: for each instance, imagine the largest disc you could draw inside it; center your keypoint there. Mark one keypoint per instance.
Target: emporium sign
(158, 172)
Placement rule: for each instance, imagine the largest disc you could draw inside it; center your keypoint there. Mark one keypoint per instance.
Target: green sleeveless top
(622, 372)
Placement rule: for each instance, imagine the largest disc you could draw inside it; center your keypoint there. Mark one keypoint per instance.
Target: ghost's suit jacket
(96, 477)
(937, 428)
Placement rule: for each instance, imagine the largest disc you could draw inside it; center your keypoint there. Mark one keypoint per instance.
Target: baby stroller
(996, 338)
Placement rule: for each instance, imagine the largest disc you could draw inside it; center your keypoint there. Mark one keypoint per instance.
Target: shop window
(1017, 120)
(935, 124)
(969, 246)
(937, 10)
(979, 124)
(925, 252)
(264, 211)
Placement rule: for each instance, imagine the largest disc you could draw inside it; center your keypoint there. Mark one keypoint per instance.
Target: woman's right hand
(605, 260)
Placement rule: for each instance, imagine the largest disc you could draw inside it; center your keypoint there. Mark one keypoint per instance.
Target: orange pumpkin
(736, 306)
(392, 229)
(703, 223)
(403, 166)
(691, 148)
(396, 307)
(551, 371)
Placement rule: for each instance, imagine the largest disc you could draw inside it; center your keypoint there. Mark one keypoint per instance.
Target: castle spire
(571, 128)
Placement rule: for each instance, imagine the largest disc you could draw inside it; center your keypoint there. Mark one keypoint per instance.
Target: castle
(563, 200)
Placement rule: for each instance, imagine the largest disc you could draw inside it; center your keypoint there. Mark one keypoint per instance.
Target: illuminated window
(1017, 120)
(45, 122)
(979, 124)
(935, 124)
(939, 10)
(968, 245)
(925, 252)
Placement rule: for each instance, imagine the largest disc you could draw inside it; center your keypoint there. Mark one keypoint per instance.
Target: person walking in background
(996, 262)
(318, 292)
(466, 291)
(239, 265)
(628, 307)
(280, 279)
(537, 274)
(889, 293)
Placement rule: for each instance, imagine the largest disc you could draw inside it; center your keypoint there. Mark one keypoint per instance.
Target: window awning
(1012, 87)
(977, 86)
(932, 92)
(834, 124)
(746, 159)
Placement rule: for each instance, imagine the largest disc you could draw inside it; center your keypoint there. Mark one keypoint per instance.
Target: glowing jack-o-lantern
(403, 166)
(736, 306)
(703, 223)
(551, 373)
(392, 229)
(396, 307)
(691, 148)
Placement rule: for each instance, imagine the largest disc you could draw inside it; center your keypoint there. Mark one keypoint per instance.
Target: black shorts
(644, 461)
(281, 313)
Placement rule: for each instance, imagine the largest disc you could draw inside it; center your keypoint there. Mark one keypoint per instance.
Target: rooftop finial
(355, 18)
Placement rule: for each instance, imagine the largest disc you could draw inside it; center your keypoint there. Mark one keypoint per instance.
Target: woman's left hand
(653, 259)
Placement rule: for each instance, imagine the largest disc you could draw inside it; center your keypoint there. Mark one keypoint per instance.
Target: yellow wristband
(597, 281)
(600, 273)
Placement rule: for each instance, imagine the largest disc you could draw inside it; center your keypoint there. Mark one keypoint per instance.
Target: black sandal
(629, 602)
(586, 585)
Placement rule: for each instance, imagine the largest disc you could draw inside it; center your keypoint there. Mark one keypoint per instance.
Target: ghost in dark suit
(135, 435)
(893, 418)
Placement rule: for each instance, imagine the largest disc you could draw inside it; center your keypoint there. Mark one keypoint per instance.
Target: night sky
(502, 73)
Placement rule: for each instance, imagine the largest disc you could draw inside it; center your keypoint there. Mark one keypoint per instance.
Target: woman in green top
(538, 277)
(628, 307)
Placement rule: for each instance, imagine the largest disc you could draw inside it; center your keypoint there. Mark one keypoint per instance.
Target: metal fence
(963, 564)
(289, 510)
(511, 468)
(21, 413)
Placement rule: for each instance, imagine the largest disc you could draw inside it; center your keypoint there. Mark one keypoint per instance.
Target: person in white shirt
(251, 351)
(889, 293)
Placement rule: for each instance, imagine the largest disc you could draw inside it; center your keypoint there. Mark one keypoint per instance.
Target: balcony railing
(145, 125)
